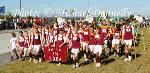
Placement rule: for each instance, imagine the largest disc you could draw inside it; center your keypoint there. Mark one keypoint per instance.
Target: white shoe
(126, 59)
(58, 64)
(40, 60)
(129, 58)
(30, 59)
(98, 65)
(84, 55)
(86, 60)
(135, 41)
(71, 56)
(94, 60)
(73, 66)
(36, 61)
(114, 54)
(77, 64)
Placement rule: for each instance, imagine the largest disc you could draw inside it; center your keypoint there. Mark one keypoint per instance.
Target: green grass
(113, 65)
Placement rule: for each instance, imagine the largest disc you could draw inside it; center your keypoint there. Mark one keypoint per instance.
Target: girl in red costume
(91, 42)
(60, 42)
(26, 44)
(21, 44)
(36, 43)
(127, 36)
(49, 45)
(98, 47)
(85, 40)
(75, 46)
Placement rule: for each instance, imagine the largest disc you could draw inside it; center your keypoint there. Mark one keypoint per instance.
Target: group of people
(16, 22)
(90, 39)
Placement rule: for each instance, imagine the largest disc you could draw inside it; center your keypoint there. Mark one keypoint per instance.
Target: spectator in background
(30, 22)
(15, 22)
(18, 23)
(144, 23)
(1, 23)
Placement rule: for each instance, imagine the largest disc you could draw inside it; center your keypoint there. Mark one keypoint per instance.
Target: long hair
(13, 34)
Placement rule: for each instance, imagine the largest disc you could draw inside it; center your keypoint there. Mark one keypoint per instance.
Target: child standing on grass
(60, 42)
(36, 42)
(98, 47)
(75, 47)
(13, 43)
(21, 44)
(85, 40)
(26, 44)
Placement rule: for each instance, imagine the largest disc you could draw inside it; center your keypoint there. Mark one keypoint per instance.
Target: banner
(55, 54)
(104, 15)
(38, 21)
(139, 18)
(60, 21)
(2, 9)
(89, 18)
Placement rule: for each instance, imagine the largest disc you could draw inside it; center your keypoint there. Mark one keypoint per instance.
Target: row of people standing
(79, 37)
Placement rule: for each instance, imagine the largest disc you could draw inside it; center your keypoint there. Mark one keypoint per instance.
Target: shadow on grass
(86, 63)
(138, 41)
(107, 61)
(137, 56)
(67, 63)
(139, 35)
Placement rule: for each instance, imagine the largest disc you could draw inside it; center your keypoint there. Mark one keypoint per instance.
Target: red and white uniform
(36, 39)
(103, 33)
(91, 42)
(80, 33)
(40, 32)
(55, 31)
(116, 33)
(68, 32)
(128, 35)
(75, 43)
(36, 42)
(99, 42)
(49, 51)
(21, 41)
(61, 49)
(59, 39)
(116, 37)
(26, 42)
(50, 39)
(85, 37)
(46, 33)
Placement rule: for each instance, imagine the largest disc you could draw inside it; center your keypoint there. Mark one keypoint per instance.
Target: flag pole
(20, 5)
(87, 13)
(88, 3)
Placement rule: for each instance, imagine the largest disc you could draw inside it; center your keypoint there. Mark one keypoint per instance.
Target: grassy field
(111, 65)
